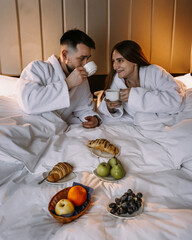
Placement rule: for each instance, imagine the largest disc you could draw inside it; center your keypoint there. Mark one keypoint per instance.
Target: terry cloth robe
(42, 88)
(158, 93)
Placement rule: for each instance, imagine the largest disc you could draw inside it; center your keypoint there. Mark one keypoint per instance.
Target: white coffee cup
(112, 95)
(91, 68)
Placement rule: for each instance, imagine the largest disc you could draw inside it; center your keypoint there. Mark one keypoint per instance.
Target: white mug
(90, 68)
(112, 95)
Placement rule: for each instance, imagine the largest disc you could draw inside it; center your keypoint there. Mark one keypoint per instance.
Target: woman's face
(123, 67)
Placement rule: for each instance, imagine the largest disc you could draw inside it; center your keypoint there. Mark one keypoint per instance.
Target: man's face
(79, 57)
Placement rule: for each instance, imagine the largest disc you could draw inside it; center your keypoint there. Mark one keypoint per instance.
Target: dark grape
(130, 210)
(124, 205)
(112, 205)
(124, 198)
(124, 210)
(129, 191)
(113, 210)
(118, 200)
(118, 211)
(139, 199)
(129, 198)
(132, 204)
(138, 204)
(139, 195)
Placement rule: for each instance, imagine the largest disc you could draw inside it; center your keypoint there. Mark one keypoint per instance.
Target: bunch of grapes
(129, 203)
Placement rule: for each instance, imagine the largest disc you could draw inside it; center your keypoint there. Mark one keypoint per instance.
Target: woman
(144, 87)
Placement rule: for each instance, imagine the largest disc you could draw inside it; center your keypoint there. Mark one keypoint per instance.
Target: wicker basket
(61, 195)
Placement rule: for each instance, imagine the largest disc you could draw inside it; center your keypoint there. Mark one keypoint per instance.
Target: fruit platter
(70, 203)
(129, 205)
(111, 171)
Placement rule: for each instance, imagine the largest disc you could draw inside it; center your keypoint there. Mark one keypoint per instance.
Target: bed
(157, 157)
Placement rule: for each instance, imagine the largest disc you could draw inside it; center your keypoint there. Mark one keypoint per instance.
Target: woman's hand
(124, 94)
(111, 105)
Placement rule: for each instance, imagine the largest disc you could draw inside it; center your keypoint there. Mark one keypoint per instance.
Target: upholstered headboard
(31, 30)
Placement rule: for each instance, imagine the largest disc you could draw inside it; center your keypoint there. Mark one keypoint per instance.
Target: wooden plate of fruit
(73, 207)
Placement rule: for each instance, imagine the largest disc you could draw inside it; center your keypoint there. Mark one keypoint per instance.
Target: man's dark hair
(74, 37)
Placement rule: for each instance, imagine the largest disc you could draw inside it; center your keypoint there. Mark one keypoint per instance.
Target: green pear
(112, 161)
(103, 169)
(117, 171)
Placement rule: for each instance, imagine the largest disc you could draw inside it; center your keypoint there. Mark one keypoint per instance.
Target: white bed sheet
(25, 137)
(157, 158)
(150, 169)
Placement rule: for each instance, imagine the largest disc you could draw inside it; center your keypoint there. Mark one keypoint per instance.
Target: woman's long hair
(132, 52)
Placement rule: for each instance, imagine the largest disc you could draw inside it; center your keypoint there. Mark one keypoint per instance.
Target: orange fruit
(77, 195)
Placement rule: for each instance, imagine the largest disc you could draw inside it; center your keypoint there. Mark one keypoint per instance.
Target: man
(61, 84)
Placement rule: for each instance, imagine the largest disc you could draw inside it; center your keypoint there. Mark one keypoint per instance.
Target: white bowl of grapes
(128, 205)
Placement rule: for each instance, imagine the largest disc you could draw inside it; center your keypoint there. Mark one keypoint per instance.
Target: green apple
(103, 169)
(112, 161)
(64, 206)
(117, 171)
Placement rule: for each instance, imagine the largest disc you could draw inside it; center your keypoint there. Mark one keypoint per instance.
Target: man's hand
(92, 122)
(78, 75)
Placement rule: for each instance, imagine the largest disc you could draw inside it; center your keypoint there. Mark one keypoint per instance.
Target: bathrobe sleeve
(41, 88)
(159, 92)
(81, 104)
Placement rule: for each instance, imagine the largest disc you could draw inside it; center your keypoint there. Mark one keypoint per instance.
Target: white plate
(106, 179)
(127, 215)
(68, 178)
(102, 154)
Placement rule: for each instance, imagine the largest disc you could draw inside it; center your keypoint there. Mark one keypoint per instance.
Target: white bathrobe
(158, 94)
(42, 88)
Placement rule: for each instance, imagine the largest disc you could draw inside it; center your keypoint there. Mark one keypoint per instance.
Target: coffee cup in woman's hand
(112, 95)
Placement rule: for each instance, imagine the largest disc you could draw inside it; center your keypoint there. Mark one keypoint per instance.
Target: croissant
(103, 145)
(59, 171)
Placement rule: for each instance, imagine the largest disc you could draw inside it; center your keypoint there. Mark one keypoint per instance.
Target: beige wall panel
(52, 28)
(30, 30)
(33, 33)
(97, 29)
(74, 14)
(162, 33)
(9, 47)
(119, 21)
(182, 37)
(141, 24)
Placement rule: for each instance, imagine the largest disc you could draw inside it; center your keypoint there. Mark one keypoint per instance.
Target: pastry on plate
(103, 145)
(59, 171)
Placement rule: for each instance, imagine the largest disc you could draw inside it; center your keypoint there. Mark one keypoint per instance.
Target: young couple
(61, 84)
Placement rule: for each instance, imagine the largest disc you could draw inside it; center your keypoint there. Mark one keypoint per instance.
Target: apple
(117, 171)
(64, 206)
(112, 161)
(103, 169)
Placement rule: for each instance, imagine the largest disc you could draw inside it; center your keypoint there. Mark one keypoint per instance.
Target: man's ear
(64, 54)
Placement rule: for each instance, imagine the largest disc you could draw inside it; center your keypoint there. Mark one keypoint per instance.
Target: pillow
(7, 85)
(186, 79)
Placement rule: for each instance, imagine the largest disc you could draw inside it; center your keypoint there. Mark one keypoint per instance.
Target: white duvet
(158, 163)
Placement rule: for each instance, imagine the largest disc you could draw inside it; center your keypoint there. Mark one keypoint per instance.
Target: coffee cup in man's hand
(90, 68)
(112, 95)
